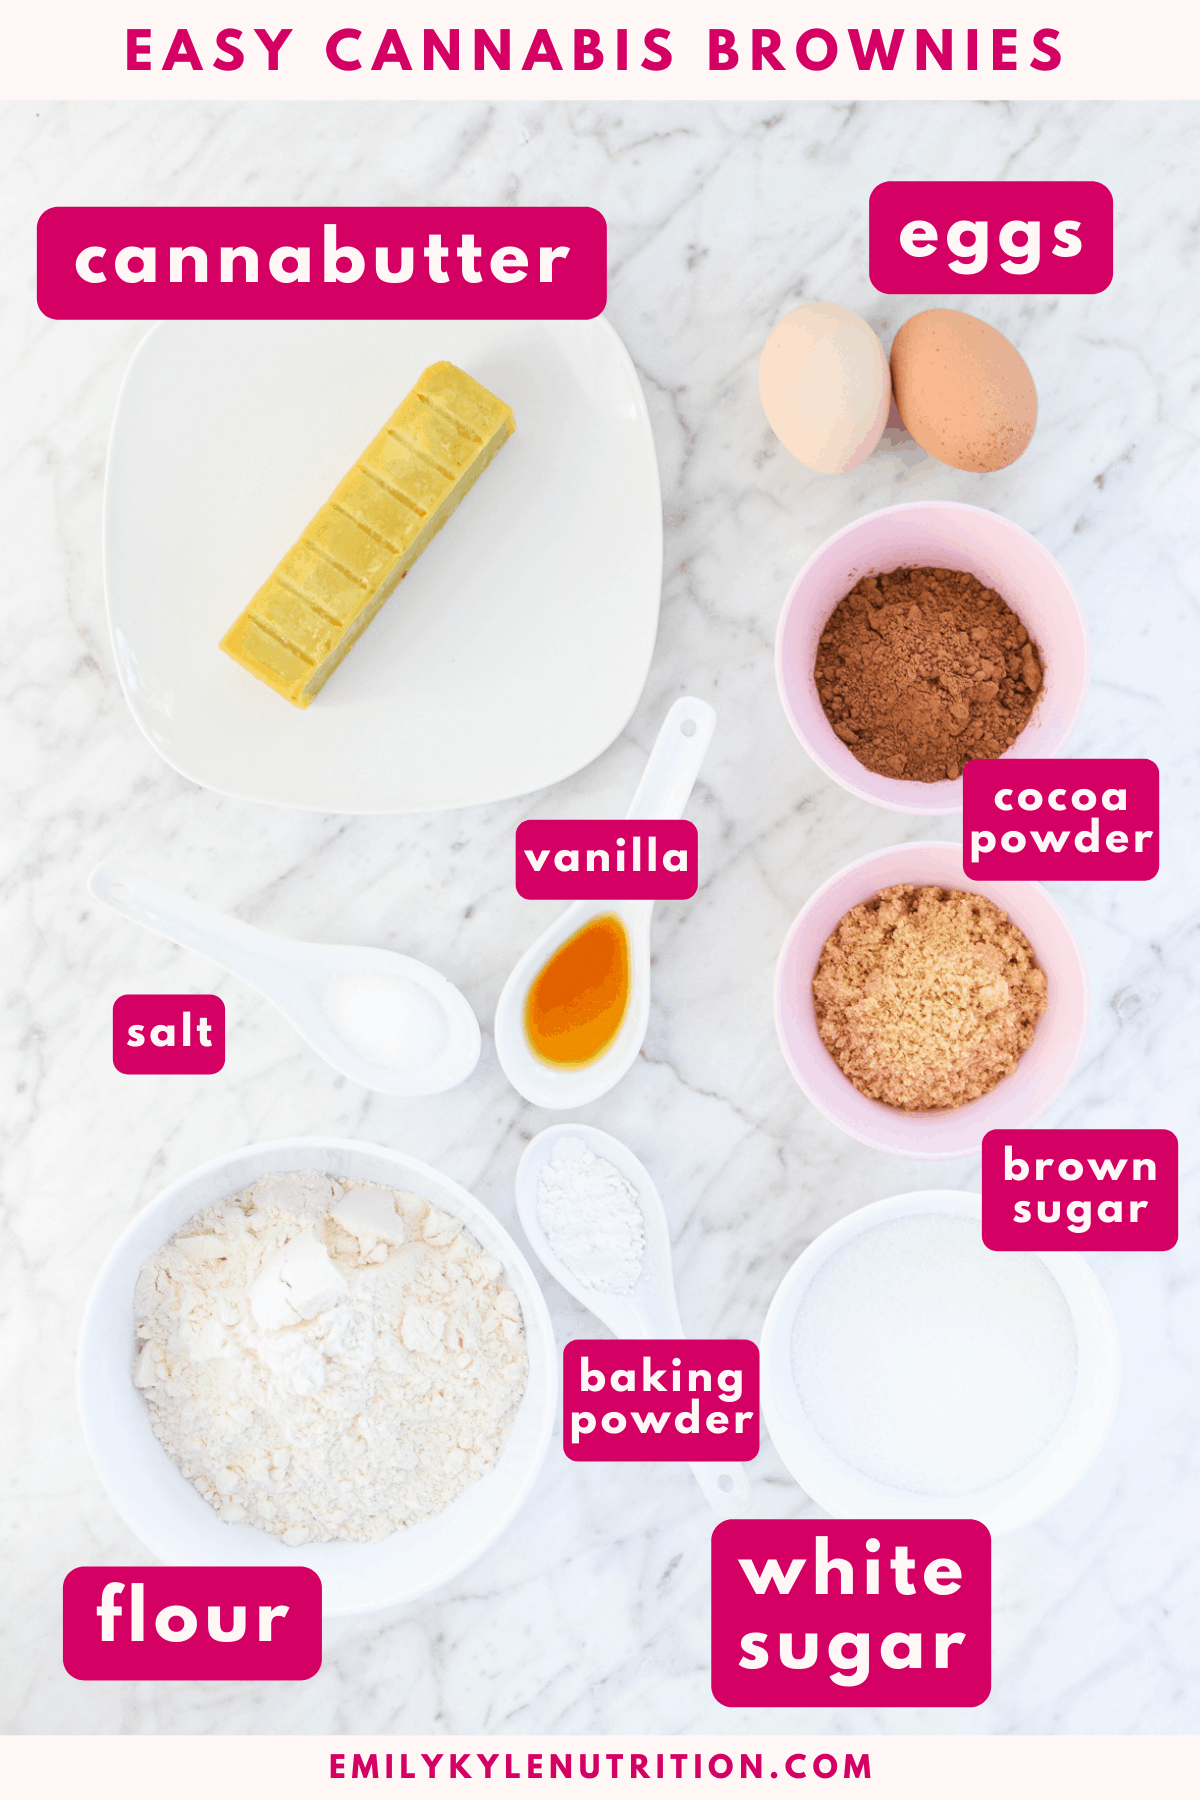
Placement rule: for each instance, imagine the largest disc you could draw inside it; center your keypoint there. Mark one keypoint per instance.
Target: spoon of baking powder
(662, 793)
(385, 1020)
(599, 1226)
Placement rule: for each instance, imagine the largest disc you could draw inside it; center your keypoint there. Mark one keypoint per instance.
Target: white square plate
(515, 649)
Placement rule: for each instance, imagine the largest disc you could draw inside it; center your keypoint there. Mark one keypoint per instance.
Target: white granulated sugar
(328, 1359)
(591, 1216)
(931, 1363)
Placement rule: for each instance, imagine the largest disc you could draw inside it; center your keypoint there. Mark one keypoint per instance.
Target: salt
(591, 1217)
(388, 1020)
(930, 1363)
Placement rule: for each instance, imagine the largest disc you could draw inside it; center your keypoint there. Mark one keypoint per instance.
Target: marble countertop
(590, 1614)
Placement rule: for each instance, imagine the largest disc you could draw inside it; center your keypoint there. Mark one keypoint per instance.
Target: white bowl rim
(893, 800)
(1003, 1506)
(119, 1481)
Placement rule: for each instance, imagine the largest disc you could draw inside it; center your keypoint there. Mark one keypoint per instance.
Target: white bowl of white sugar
(908, 1372)
(160, 1504)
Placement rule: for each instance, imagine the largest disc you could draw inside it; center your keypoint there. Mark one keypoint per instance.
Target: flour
(591, 1216)
(328, 1359)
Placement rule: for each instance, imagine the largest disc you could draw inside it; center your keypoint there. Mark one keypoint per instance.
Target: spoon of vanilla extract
(572, 1016)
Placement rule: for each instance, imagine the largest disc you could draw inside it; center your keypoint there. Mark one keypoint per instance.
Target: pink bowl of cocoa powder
(933, 534)
(1019, 1098)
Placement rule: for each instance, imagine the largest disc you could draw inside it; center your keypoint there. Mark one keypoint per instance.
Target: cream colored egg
(825, 386)
(963, 391)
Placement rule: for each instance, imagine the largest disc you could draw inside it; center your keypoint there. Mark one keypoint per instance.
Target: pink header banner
(609, 50)
(330, 262)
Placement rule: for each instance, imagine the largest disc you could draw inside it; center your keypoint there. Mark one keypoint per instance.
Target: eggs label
(1061, 818)
(991, 237)
(607, 859)
(1093, 1189)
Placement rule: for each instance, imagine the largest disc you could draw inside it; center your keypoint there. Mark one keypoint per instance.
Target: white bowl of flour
(166, 1512)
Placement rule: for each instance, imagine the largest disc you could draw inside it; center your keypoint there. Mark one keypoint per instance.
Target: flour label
(192, 1624)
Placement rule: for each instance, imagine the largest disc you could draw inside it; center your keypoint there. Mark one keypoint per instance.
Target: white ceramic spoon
(650, 1310)
(662, 793)
(322, 989)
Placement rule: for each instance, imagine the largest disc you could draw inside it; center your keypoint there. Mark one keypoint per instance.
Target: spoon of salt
(667, 782)
(649, 1309)
(385, 1020)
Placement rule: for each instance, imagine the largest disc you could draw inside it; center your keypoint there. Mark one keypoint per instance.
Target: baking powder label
(192, 1624)
(851, 1612)
(1061, 819)
(1080, 1190)
(660, 1400)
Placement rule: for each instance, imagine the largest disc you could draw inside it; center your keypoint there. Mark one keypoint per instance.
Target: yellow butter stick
(369, 533)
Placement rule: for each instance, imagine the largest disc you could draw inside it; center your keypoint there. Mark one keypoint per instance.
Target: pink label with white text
(329, 262)
(660, 1400)
(168, 1034)
(192, 1624)
(1061, 818)
(991, 237)
(1096, 1189)
(607, 859)
(851, 1612)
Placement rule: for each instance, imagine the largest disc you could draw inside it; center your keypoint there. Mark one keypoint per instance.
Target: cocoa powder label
(1061, 819)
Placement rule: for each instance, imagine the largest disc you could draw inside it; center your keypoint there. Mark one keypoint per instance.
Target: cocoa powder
(921, 670)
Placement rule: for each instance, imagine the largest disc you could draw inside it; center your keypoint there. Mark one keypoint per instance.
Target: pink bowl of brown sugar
(922, 637)
(919, 1010)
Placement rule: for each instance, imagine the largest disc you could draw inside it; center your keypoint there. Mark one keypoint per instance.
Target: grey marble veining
(590, 1615)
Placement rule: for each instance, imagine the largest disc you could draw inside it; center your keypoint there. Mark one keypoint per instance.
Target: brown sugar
(926, 997)
(921, 670)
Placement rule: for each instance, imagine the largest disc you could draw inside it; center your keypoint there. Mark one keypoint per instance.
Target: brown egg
(962, 390)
